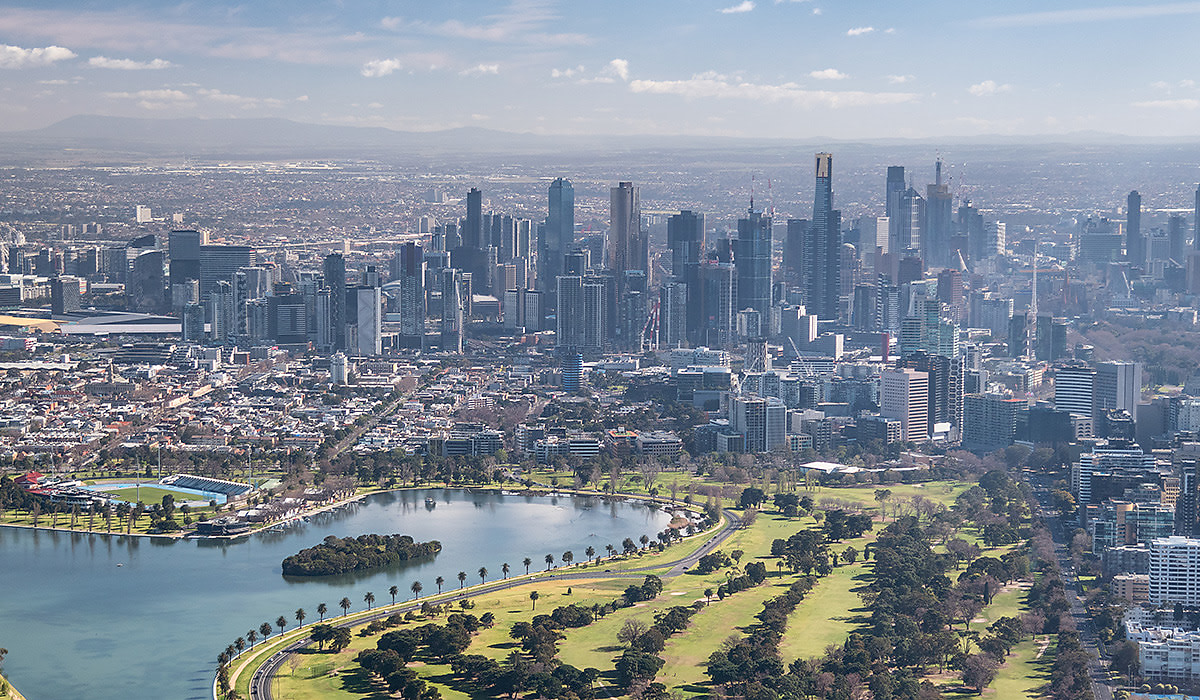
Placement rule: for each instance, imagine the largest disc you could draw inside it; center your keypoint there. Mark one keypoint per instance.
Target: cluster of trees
(640, 662)
(339, 556)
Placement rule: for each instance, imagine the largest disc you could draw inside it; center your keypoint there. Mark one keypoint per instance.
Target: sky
(798, 69)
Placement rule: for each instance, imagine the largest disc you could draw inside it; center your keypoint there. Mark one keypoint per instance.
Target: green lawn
(826, 616)
(151, 495)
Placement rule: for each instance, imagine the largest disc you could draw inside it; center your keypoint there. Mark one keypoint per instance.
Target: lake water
(78, 625)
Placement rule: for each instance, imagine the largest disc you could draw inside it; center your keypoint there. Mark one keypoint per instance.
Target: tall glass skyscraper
(822, 259)
(627, 245)
(685, 236)
(752, 257)
(1135, 243)
(558, 236)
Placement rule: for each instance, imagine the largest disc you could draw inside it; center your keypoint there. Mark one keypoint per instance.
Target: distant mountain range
(92, 137)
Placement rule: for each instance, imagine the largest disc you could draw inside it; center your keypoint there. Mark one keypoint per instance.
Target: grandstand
(230, 489)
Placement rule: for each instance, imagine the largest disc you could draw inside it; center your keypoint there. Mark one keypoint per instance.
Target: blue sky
(781, 68)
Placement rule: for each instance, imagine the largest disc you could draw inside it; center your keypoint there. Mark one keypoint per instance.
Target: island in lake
(365, 552)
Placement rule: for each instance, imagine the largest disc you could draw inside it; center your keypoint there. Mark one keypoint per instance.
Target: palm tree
(321, 610)
(708, 594)
(590, 552)
(369, 599)
(439, 581)
(527, 561)
(252, 636)
(281, 622)
(392, 592)
(345, 605)
(462, 578)
(483, 575)
(610, 549)
(416, 588)
(549, 561)
(504, 569)
(239, 644)
(533, 595)
(300, 615)
(645, 540)
(265, 629)
(568, 557)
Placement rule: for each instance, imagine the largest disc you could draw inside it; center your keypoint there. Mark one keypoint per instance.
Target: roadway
(1098, 671)
(260, 682)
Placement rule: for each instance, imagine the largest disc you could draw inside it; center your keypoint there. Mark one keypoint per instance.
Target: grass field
(826, 616)
(151, 495)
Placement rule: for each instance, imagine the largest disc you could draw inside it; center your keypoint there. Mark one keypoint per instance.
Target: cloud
(128, 64)
(381, 67)
(829, 74)
(900, 79)
(859, 31)
(1169, 104)
(17, 57)
(620, 67)
(715, 86)
(482, 69)
(155, 99)
(743, 6)
(1089, 14)
(238, 100)
(816, 10)
(988, 87)
(521, 22)
(566, 72)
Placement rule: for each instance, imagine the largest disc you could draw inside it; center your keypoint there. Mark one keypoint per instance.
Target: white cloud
(155, 99)
(714, 85)
(816, 10)
(522, 21)
(988, 87)
(743, 6)
(829, 74)
(482, 69)
(859, 31)
(238, 100)
(619, 67)
(381, 67)
(17, 57)
(1169, 104)
(566, 72)
(900, 79)
(128, 64)
(1090, 14)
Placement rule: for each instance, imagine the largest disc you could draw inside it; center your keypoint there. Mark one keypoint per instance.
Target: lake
(78, 625)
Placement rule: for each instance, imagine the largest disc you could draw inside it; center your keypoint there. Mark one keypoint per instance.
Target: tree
(320, 634)
(345, 604)
(265, 629)
(321, 610)
(645, 540)
(416, 588)
(849, 555)
(392, 592)
(533, 595)
(881, 497)
(568, 557)
(483, 572)
(300, 615)
(631, 630)
(462, 579)
(439, 581)
(369, 599)
(340, 640)
(590, 552)
(610, 549)
(252, 637)
(281, 622)
(708, 594)
(526, 561)
(979, 670)
(504, 569)
(549, 561)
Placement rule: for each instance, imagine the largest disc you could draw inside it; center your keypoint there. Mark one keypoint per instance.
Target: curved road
(260, 682)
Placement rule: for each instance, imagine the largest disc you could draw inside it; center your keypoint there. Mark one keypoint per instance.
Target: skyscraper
(822, 255)
(752, 257)
(220, 262)
(627, 245)
(335, 280)
(897, 205)
(1135, 242)
(1196, 220)
(685, 236)
(452, 310)
(1176, 231)
(904, 395)
(472, 233)
(558, 236)
(183, 248)
(938, 224)
(793, 251)
(411, 259)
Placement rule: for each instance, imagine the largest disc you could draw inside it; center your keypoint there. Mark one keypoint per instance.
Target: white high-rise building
(370, 321)
(762, 421)
(143, 215)
(904, 395)
(1175, 572)
(1118, 386)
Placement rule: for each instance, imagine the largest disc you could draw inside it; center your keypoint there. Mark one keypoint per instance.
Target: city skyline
(811, 68)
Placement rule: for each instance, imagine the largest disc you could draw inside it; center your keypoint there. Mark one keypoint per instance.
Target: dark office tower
(1135, 242)
(685, 236)
(719, 301)
(558, 237)
(472, 233)
(626, 243)
(219, 263)
(895, 192)
(146, 290)
(822, 254)
(569, 330)
(335, 281)
(1196, 221)
(452, 310)
(752, 258)
(1176, 231)
(937, 226)
(412, 290)
(793, 252)
(64, 295)
(972, 229)
(183, 247)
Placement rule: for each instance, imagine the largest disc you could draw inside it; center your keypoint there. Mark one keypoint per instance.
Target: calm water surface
(78, 625)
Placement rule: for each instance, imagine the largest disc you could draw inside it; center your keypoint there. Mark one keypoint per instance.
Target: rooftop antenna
(752, 179)
(771, 199)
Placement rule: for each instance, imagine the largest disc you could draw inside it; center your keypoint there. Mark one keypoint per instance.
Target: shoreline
(12, 693)
(521, 490)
